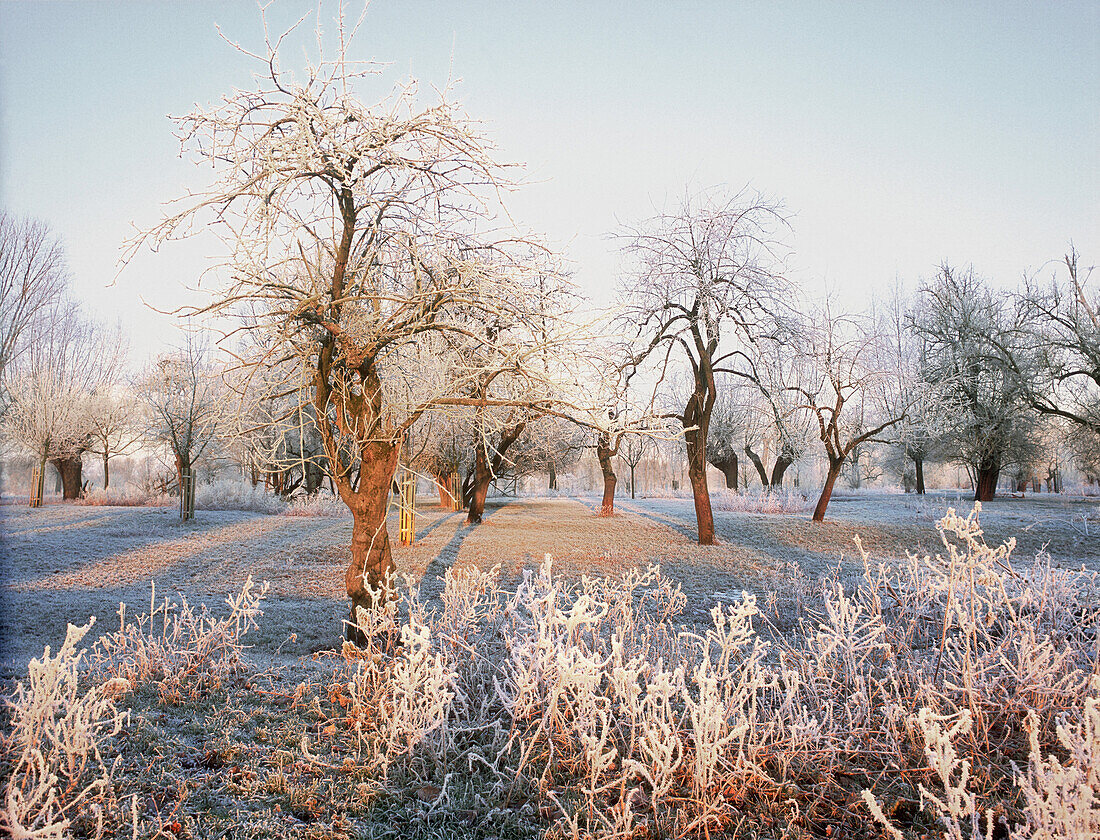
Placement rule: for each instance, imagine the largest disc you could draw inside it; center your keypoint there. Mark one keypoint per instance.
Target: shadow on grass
(431, 584)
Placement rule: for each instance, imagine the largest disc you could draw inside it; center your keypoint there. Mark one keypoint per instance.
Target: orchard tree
(1057, 362)
(52, 388)
(908, 386)
(773, 371)
(185, 403)
(33, 276)
(838, 390)
(729, 423)
(968, 334)
(115, 429)
(632, 450)
(704, 283)
(360, 240)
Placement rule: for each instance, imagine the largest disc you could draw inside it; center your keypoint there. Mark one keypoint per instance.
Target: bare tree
(632, 450)
(52, 387)
(1057, 363)
(966, 329)
(908, 387)
(33, 275)
(838, 390)
(358, 237)
(704, 284)
(186, 403)
(115, 430)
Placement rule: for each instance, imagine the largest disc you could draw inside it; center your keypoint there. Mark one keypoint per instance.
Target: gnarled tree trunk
(70, 468)
(985, 485)
(919, 464)
(604, 454)
(729, 468)
(779, 469)
(486, 469)
(835, 465)
(371, 558)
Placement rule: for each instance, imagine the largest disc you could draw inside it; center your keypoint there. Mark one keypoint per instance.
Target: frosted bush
(184, 650)
(128, 496)
(779, 500)
(227, 494)
(1063, 800)
(52, 757)
(321, 504)
(918, 684)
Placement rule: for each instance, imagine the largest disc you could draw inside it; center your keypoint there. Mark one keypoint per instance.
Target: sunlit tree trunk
(835, 465)
(604, 454)
(985, 486)
(70, 468)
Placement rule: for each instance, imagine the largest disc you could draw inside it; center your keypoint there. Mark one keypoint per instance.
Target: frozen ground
(63, 563)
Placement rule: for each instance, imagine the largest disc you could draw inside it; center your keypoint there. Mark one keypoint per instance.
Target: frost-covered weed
(52, 760)
(228, 494)
(920, 685)
(184, 650)
(128, 496)
(321, 504)
(779, 500)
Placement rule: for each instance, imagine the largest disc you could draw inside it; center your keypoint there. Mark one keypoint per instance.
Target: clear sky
(898, 134)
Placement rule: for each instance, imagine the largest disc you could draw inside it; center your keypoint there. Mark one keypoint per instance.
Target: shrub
(52, 758)
(185, 651)
(129, 496)
(907, 696)
(779, 500)
(227, 494)
(321, 504)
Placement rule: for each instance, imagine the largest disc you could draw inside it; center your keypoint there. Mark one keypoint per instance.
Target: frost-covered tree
(52, 389)
(838, 389)
(364, 242)
(1057, 358)
(965, 329)
(704, 281)
(729, 423)
(116, 426)
(33, 275)
(908, 387)
(185, 404)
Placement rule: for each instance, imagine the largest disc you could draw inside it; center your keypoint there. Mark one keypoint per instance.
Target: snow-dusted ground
(63, 563)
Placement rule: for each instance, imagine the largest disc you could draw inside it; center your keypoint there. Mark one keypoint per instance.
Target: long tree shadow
(431, 584)
(661, 519)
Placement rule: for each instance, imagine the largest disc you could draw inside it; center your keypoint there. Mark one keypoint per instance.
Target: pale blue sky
(897, 134)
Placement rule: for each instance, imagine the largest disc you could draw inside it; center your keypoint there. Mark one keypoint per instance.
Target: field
(289, 745)
(64, 563)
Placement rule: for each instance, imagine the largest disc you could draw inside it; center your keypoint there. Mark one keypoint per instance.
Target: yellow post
(37, 486)
(407, 509)
(456, 492)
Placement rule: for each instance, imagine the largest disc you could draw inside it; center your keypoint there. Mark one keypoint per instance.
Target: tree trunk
(371, 558)
(919, 463)
(443, 484)
(760, 470)
(482, 477)
(604, 454)
(827, 490)
(696, 443)
(106, 471)
(70, 469)
(985, 487)
(778, 470)
(729, 468)
(633, 484)
(485, 470)
(553, 477)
